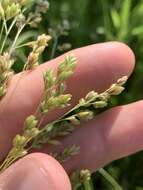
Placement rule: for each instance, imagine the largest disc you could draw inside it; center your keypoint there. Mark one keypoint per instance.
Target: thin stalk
(20, 46)
(7, 164)
(54, 47)
(88, 185)
(7, 34)
(110, 179)
(5, 25)
(16, 38)
(2, 29)
(6, 161)
(11, 159)
(86, 180)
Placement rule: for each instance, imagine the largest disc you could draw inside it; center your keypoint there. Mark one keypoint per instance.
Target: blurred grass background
(74, 24)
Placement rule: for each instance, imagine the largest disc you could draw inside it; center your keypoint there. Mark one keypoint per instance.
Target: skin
(113, 134)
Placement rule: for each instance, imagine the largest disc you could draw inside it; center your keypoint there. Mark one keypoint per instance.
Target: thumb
(34, 172)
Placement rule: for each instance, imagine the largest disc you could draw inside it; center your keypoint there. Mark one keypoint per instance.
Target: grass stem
(110, 179)
(54, 47)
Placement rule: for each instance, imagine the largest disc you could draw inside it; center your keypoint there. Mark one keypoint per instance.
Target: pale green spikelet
(38, 47)
(67, 153)
(85, 110)
(5, 72)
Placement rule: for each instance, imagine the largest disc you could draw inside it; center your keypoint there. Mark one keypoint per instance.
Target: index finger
(98, 66)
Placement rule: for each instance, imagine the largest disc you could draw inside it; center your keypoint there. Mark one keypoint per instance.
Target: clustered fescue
(54, 94)
(5, 72)
(9, 9)
(14, 10)
(67, 153)
(21, 141)
(55, 97)
(37, 49)
(85, 110)
(36, 17)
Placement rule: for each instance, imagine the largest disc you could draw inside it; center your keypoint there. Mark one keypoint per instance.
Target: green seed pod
(64, 75)
(68, 64)
(85, 115)
(100, 104)
(104, 96)
(32, 59)
(43, 39)
(40, 49)
(82, 101)
(73, 66)
(54, 142)
(61, 67)
(74, 120)
(91, 95)
(70, 59)
(52, 102)
(35, 131)
(19, 141)
(31, 122)
(49, 79)
(63, 100)
(30, 133)
(122, 81)
(115, 89)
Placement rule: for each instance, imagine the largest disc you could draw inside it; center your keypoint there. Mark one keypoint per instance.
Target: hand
(113, 134)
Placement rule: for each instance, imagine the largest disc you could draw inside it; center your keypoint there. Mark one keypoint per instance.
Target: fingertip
(123, 51)
(54, 169)
(117, 56)
(35, 171)
(102, 64)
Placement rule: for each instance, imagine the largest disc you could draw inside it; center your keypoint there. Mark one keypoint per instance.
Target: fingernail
(26, 177)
